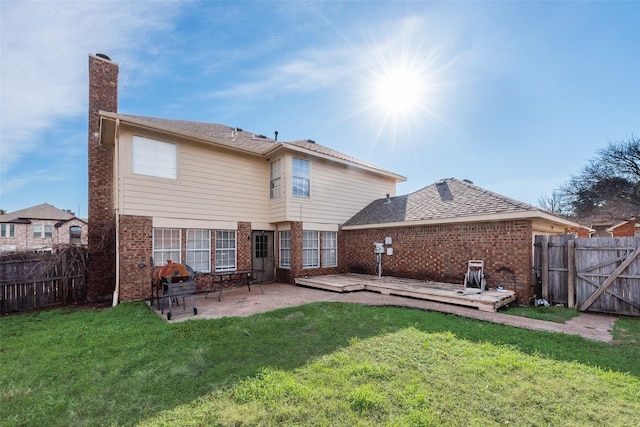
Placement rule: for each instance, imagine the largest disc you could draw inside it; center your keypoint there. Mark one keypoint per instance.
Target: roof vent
(468, 181)
(311, 141)
(238, 129)
(262, 136)
(103, 56)
(388, 200)
(276, 138)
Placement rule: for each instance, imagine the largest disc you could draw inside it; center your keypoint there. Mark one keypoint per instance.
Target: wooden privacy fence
(41, 279)
(599, 274)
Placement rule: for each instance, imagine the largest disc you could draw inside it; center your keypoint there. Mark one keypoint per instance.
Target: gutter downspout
(116, 171)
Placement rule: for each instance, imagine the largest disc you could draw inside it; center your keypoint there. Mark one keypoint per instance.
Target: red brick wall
(627, 229)
(243, 239)
(288, 275)
(580, 231)
(136, 246)
(103, 95)
(441, 253)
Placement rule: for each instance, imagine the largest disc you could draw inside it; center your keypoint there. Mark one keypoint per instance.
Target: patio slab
(239, 302)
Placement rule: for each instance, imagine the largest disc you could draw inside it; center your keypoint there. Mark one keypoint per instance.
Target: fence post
(544, 273)
(571, 273)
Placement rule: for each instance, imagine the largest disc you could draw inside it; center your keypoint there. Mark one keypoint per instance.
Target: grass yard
(320, 364)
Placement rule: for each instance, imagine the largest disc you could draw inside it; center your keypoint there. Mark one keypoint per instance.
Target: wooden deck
(490, 300)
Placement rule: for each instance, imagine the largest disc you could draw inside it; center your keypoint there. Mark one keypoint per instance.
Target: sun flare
(398, 92)
(402, 89)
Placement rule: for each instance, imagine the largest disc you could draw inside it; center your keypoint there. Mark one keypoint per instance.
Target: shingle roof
(222, 134)
(237, 138)
(445, 199)
(43, 211)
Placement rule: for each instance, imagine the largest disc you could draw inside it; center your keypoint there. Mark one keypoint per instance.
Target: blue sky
(515, 96)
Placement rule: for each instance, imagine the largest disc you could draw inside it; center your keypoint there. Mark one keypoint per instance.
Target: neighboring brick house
(625, 229)
(212, 196)
(40, 227)
(435, 231)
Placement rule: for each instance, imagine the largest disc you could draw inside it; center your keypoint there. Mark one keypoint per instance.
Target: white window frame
(154, 158)
(37, 230)
(167, 244)
(226, 250)
(275, 179)
(301, 178)
(310, 249)
(285, 249)
(329, 249)
(198, 251)
(7, 230)
(48, 231)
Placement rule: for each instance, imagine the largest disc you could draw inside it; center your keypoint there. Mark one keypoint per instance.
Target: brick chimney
(103, 96)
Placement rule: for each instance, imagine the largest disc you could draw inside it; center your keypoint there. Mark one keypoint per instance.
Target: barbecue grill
(179, 286)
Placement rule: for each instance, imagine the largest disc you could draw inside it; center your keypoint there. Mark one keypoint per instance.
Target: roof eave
(302, 150)
(191, 136)
(503, 216)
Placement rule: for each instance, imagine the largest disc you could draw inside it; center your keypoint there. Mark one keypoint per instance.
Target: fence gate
(592, 274)
(608, 275)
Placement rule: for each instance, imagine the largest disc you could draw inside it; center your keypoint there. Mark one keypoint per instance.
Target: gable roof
(42, 211)
(448, 200)
(238, 139)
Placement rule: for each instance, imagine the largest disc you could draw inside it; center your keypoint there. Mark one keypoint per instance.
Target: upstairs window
(75, 233)
(37, 230)
(274, 179)
(301, 178)
(48, 231)
(154, 158)
(7, 230)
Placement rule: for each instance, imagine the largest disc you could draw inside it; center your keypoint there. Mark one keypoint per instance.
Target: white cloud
(44, 48)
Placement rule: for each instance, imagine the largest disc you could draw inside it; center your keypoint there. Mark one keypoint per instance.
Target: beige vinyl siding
(212, 184)
(337, 192)
(219, 185)
(278, 207)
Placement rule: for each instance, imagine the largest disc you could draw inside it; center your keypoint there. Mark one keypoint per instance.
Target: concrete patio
(239, 302)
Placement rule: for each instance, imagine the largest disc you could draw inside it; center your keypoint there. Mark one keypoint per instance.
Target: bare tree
(554, 203)
(609, 185)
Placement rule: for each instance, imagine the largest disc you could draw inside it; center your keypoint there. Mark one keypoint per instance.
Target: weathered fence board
(552, 268)
(595, 274)
(36, 280)
(597, 259)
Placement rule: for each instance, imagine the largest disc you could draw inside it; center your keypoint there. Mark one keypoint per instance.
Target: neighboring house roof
(611, 214)
(448, 200)
(239, 139)
(43, 211)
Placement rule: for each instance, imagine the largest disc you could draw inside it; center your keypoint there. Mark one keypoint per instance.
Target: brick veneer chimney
(103, 95)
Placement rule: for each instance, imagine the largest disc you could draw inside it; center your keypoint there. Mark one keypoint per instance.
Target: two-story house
(216, 197)
(40, 227)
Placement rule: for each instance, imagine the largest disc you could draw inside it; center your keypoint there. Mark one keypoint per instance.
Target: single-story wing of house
(435, 231)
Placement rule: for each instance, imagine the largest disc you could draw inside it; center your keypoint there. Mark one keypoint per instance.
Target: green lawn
(318, 364)
(550, 314)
